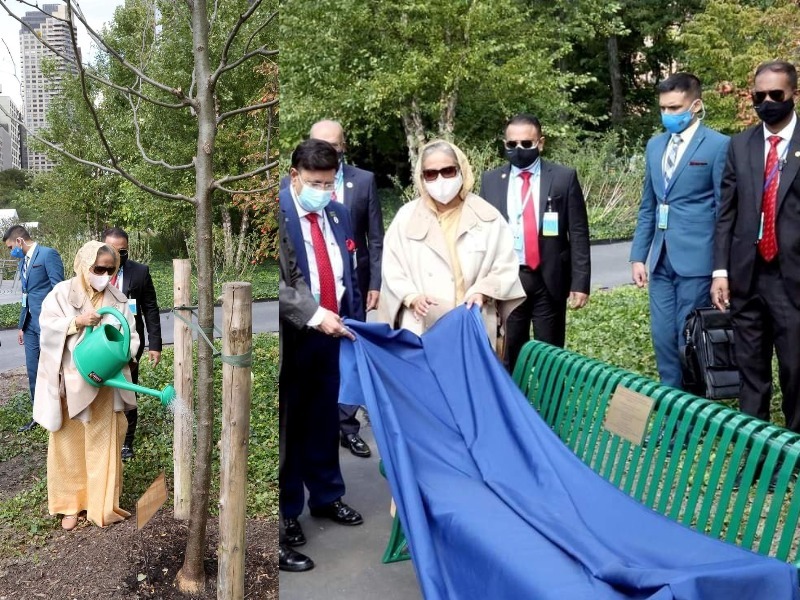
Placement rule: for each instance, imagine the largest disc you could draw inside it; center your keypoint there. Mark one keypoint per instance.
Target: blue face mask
(313, 200)
(676, 123)
(17, 252)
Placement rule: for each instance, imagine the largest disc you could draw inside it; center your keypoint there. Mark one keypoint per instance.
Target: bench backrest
(693, 483)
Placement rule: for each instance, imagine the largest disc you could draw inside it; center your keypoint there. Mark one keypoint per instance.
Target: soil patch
(18, 473)
(12, 382)
(119, 562)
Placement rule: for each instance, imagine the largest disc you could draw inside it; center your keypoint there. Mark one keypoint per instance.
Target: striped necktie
(672, 158)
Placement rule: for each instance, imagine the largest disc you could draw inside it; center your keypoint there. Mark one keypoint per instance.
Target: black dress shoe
(338, 512)
(127, 453)
(28, 427)
(293, 534)
(292, 560)
(356, 445)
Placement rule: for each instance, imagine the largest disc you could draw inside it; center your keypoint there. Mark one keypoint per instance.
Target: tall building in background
(10, 134)
(38, 89)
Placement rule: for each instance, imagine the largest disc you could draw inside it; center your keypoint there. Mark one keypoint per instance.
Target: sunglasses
(122, 252)
(433, 174)
(527, 144)
(98, 270)
(774, 95)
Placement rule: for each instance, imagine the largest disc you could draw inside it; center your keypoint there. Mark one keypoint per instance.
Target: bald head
(328, 131)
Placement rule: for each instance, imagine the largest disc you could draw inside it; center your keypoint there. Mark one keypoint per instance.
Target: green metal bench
(692, 479)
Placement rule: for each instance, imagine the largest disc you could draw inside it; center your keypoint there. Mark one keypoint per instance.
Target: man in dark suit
(298, 309)
(134, 280)
(40, 269)
(757, 245)
(677, 216)
(357, 190)
(544, 205)
(321, 235)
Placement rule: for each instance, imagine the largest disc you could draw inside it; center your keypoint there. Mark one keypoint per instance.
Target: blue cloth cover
(495, 506)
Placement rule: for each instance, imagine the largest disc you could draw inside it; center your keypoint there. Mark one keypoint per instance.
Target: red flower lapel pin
(350, 245)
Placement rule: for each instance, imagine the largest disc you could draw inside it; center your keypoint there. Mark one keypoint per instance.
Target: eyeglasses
(98, 270)
(433, 174)
(319, 185)
(774, 95)
(527, 144)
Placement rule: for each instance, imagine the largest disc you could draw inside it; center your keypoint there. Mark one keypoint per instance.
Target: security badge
(663, 215)
(132, 306)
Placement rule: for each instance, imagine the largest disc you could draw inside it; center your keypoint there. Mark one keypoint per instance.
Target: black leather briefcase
(708, 357)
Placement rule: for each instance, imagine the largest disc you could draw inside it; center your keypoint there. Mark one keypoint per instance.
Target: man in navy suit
(357, 190)
(321, 234)
(133, 279)
(677, 216)
(40, 270)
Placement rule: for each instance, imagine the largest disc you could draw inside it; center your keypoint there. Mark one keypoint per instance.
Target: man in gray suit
(298, 309)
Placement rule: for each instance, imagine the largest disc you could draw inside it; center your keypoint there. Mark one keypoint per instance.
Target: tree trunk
(415, 132)
(447, 118)
(617, 97)
(240, 250)
(227, 232)
(192, 577)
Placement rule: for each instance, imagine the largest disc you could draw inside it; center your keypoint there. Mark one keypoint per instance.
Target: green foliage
(24, 513)
(12, 182)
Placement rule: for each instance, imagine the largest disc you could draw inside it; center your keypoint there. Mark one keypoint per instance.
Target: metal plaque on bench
(628, 414)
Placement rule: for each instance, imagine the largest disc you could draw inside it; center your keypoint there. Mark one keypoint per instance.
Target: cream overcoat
(416, 261)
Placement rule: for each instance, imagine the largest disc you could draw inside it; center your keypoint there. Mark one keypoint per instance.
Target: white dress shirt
(514, 204)
(686, 137)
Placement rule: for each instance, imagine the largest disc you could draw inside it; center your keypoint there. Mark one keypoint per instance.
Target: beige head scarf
(461, 159)
(85, 258)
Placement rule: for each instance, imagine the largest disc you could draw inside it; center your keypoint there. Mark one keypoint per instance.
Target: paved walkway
(348, 559)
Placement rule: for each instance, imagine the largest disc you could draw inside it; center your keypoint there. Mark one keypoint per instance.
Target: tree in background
(12, 183)
(164, 101)
(433, 67)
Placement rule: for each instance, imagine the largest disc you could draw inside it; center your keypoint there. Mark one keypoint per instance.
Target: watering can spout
(167, 395)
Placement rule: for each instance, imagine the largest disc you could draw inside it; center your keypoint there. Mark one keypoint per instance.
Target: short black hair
(681, 82)
(525, 119)
(16, 231)
(115, 232)
(780, 66)
(315, 155)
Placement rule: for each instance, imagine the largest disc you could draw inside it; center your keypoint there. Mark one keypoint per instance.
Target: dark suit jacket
(45, 270)
(361, 199)
(735, 246)
(339, 219)
(138, 284)
(565, 259)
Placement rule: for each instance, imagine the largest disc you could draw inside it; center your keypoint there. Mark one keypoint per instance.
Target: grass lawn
(23, 491)
(264, 278)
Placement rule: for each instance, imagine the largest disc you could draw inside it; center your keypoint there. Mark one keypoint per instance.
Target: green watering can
(104, 352)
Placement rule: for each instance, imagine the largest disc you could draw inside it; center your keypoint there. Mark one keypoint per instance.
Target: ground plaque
(628, 414)
(151, 501)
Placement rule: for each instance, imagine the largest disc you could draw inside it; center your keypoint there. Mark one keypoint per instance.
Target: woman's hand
(478, 299)
(88, 318)
(421, 305)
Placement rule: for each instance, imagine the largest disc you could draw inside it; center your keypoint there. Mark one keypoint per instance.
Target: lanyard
(778, 167)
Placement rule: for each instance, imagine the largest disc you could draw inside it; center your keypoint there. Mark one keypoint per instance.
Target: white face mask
(444, 190)
(99, 282)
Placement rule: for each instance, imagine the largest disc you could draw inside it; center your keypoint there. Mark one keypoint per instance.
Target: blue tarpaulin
(495, 506)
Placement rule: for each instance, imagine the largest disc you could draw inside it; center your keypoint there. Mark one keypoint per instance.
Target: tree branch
(245, 109)
(177, 92)
(143, 153)
(261, 51)
(257, 190)
(258, 30)
(74, 61)
(253, 173)
(232, 36)
(99, 128)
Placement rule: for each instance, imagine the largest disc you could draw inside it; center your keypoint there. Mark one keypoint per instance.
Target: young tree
(223, 41)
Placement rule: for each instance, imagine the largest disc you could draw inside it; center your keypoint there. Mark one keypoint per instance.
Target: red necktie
(768, 246)
(529, 223)
(114, 279)
(327, 283)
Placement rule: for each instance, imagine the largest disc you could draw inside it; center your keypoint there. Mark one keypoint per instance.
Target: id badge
(550, 224)
(25, 296)
(760, 230)
(518, 243)
(663, 215)
(132, 306)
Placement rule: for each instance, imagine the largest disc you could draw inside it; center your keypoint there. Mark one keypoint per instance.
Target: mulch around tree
(119, 562)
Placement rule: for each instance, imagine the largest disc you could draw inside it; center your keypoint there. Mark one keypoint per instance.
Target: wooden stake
(184, 391)
(237, 339)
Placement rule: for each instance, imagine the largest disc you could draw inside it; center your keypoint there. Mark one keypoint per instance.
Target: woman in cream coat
(446, 248)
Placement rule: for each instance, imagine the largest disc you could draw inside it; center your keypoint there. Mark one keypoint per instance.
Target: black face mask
(774, 112)
(522, 158)
(123, 260)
